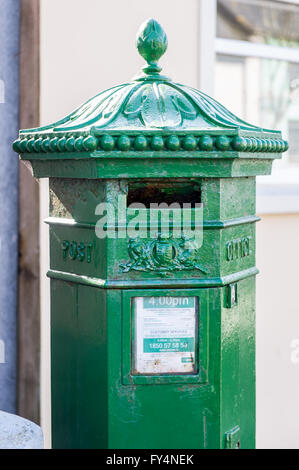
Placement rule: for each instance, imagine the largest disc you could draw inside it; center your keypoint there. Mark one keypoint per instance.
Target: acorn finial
(151, 44)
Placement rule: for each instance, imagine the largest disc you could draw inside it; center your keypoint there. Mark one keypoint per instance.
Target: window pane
(263, 21)
(264, 92)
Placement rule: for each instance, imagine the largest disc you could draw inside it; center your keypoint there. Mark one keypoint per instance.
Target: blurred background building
(244, 53)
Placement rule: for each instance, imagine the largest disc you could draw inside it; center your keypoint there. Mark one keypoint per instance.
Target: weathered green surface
(151, 140)
(170, 415)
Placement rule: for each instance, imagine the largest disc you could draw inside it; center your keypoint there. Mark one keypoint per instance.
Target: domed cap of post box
(152, 116)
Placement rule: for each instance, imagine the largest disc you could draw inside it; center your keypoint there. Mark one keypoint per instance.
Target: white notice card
(165, 335)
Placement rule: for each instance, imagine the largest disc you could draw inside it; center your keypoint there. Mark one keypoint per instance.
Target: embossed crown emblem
(163, 255)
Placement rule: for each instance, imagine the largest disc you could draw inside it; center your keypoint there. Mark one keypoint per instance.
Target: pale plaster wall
(277, 327)
(89, 46)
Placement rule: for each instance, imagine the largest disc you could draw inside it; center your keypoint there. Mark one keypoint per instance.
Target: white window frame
(278, 194)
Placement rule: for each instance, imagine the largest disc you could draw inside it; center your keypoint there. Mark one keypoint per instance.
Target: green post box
(152, 326)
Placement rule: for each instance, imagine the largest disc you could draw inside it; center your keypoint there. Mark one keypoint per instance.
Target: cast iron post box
(152, 325)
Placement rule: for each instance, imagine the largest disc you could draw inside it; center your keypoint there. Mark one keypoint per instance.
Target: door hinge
(232, 438)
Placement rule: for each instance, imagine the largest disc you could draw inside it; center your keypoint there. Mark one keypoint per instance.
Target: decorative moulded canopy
(150, 114)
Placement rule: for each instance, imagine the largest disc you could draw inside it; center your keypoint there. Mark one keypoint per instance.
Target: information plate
(165, 335)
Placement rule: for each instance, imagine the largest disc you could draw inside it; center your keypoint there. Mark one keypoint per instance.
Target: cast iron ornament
(163, 255)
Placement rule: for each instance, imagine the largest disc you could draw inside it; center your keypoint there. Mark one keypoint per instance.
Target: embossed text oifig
(155, 329)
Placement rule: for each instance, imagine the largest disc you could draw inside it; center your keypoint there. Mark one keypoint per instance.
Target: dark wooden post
(29, 298)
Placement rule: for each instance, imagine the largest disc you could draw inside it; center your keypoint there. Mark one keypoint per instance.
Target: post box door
(165, 398)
